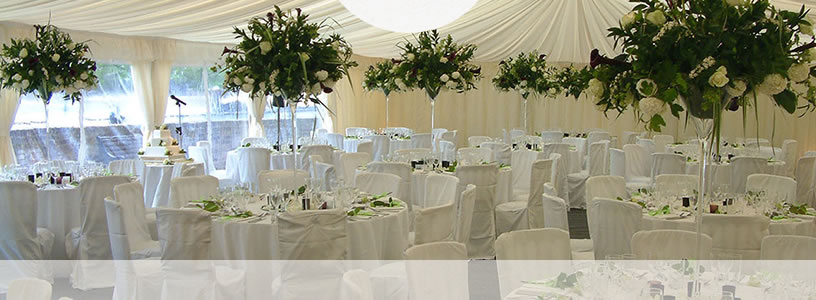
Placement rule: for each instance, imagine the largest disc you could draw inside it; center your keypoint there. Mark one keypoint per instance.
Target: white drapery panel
(256, 112)
(151, 82)
(9, 102)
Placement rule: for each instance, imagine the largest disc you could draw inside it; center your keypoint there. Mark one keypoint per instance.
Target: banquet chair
(192, 188)
(756, 142)
(597, 136)
(736, 235)
(670, 245)
(286, 179)
(124, 227)
(784, 187)
(447, 151)
(688, 149)
(788, 247)
(223, 179)
(611, 226)
(366, 147)
(517, 133)
(380, 145)
(499, 152)
(437, 271)
(252, 161)
(199, 154)
(579, 144)
(325, 151)
(528, 213)
(597, 164)
(474, 155)
(806, 181)
(433, 224)
(648, 145)
(477, 140)
(356, 131)
(563, 167)
(401, 169)
(660, 142)
(790, 155)
(676, 183)
(356, 286)
(29, 289)
(192, 169)
(437, 133)
(483, 227)
(550, 137)
(440, 189)
(617, 162)
(628, 137)
(335, 140)
(326, 173)
(141, 222)
(133, 167)
(555, 216)
(521, 254)
(20, 238)
(667, 163)
(742, 167)
(350, 162)
(414, 153)
(422, 140)
(464, 214)
(532, 140)
(638, 166)
(449, 136)
(254, 141)
(377, 183)
(606, 186)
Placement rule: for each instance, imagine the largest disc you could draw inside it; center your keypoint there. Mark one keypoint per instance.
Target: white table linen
(350, 145)
(801, 225)
(58, 211)
(398, 144)
(720, 173)
(277, 161)
(156, 182)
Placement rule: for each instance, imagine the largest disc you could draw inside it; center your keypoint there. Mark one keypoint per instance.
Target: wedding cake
(162, 146)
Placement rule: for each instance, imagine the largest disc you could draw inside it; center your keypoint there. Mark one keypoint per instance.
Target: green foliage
(527, 74)
(381, 76)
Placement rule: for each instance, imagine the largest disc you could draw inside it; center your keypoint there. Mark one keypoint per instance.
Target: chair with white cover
(579, 144)
(377, 183)
(413, 153)
(434, 224)
(638, 166)
(437, 133)
(483, 229)
(356, 131)
(676, 183)
(628, 137)
(133, 167)
(670, 245)
(517, 133)
(22, 244)
(447, 151)
(617, 162)
(499, 152)
(356, 286)
(660, 142)
(526, 214)
(325, 151)
(223, 179)
(366, 147)
(783, 187)
(563, 167)
(733, 234)
(475, 155)
(29, 289)
(667, 163)
(192, 188)
(788, 247)
(464, 214)
(648, 145)
(477, 140)
(326, 173)
(422, 140)
(381, 145)
(335, 140)
(285, 179)
(401, 169)
(128, 198)
(199, 155)
(129, 239)
(607, 186)
(446, 277)
(350, 163)
(449, 136)
(440, 189)
(806, 180)
(551, 137)
(522, 160)
(742, 167)
(611, 226)
(790, 155)
(517, 254)
(252, 161)
(598, 164)
(597, 136)
(555, 216)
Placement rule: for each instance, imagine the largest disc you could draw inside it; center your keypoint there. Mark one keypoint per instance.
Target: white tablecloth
(277, 161)
(350, 145)
(803, 225)
(377, 238)
(58, 211)
(720, 173)
(156, 181)
(504, 186)
(398, 144)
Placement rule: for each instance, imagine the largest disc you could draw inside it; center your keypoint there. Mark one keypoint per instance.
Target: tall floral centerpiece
(702, 57)
(382, 77)
(435, 64)
(50, 63)
(527, 74)
(283, 54)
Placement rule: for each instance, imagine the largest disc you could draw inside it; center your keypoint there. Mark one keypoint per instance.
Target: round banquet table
(277, 161)
(721, 172)
(350, 145)
(398, 144)
(801, 225)
(382, 237)
(156, 181)
(58, 211)
(504, 187)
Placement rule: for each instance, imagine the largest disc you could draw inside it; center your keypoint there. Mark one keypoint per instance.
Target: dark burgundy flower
(734, 105)
(226, 50)
(542, 56)
(477, 70)
(93, 66)
(270, 16)
(298, 11)
(595, 59)
(501, 62)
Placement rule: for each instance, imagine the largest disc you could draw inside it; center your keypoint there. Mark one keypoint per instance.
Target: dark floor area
(578, 224)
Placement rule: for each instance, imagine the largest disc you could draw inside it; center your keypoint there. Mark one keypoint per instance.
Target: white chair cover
(483, 229)
(366, 147)
(597, 165)
(788, 247)
(810, 154)
(790, 154)
(120, 220)
(741, 167)
(357, 286)
(806, 180)
(285, 179)
(357, 131)
(638, 166)
(610, 187)
(477, 140)
(252, 161)
(500, 152)
(381, 145)
(521, 162)
(29, 289)
(597, 136)
(200, 155)
(413, 153)
(141, 222)
(667, 163)
(449, 136)
(731, 234)
(628, 137)
(661, 141)
(648, 145)
(437, 133)
(20, 239)
(464, 214)
(783, 187)
(335, 140)
(350, 163)
(517, 133)
(403, 170)
(377, 183)
(676, 183)
(611, 225)
(326, 173)
(134, 167)
(475, 155)
(555, 212)
(325, 151)
(208, 147)
(440, 189)
(437, 279)
(528, 213)
(422, 140)
(193, 188)
(521, 254)
(670, 245)
(447, 151)
(756, 143)
(313, 235)
(550, 137)
(434, 224)
(184, 234)
(617, 162)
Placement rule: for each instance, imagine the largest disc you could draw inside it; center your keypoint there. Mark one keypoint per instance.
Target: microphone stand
(180, 132)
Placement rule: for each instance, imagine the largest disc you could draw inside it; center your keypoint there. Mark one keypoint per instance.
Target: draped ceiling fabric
(195, 31)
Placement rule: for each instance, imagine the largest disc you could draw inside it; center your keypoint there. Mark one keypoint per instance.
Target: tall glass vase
(386, 107)
(47, 132)
(293, 109)
(432, 93)
(524, 113)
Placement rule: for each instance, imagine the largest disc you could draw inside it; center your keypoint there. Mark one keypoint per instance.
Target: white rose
(596, 87)
(444, 78)
(335, 45)
(799, 72)
(810, 54)
(410, 56)
(23, 53)
(83, 76)
(656, 17)
(265, 47)
(651, 106)
(773, 84)
(523, 83)
(455, 75)
(55, 57)
(737, 88)
(17, 77)
(237, 81)
(646, 87)
(25, 83)
(246, 87)
(443, 59)
(58, 79)
(30, 72)
(718, 79)
(628, 19)
(262, 85)
(16, 85)
(249, 80)
(316, 89)
(321, 75)
(451, 84)
(534, 69)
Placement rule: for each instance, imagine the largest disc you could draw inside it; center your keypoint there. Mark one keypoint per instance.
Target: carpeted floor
(578, 224)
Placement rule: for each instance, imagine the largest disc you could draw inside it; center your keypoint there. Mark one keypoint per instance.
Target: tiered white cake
(162, 145)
